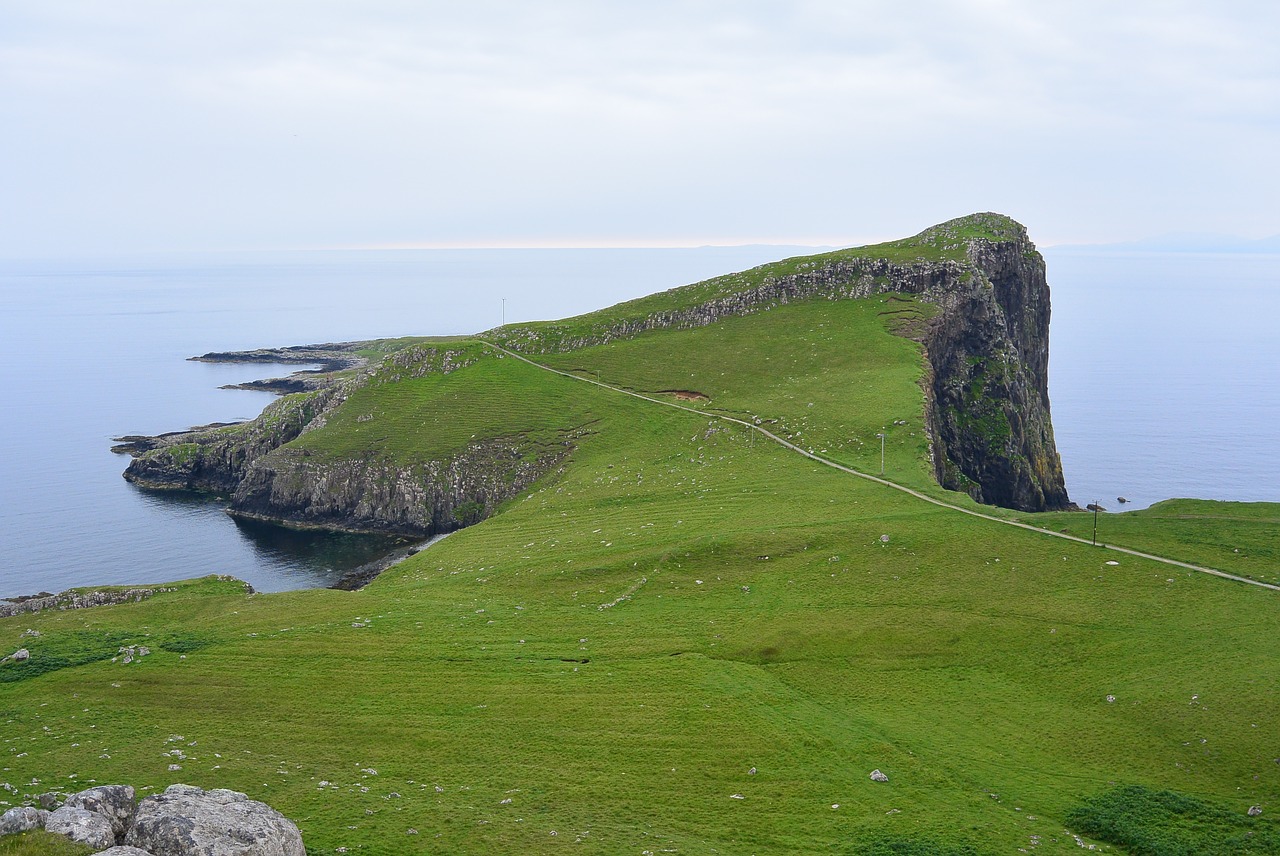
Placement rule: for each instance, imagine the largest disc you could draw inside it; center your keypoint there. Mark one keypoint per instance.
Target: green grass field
(688, 639)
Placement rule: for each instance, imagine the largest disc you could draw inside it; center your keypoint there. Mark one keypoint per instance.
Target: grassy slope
(41, 844)
(822, 374)
(617, 649)
(1240, 537)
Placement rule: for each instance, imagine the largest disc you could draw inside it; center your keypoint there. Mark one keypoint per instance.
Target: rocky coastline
(328, 359)
(253, 466)
(985, 384)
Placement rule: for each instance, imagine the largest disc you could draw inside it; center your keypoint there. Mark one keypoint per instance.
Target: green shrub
(1147, 822)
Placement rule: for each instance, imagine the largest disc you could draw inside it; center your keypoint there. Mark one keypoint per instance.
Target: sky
(159, 125)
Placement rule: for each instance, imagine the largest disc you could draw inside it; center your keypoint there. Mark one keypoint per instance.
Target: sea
(1164, 381)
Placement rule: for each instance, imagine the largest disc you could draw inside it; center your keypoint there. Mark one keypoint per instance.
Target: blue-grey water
(1164, 381)
(92, 350)
(1164, 375)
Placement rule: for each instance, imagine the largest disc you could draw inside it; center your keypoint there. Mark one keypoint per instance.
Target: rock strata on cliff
(419, 499)
(987, 349)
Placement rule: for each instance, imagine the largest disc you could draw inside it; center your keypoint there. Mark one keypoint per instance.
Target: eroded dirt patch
(685, 394)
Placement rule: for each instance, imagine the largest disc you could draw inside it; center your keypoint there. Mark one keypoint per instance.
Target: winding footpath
(882, 481)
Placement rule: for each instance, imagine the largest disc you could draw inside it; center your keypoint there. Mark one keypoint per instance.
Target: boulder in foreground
(189, 821)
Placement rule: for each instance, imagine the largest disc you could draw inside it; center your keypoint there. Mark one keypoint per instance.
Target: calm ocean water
(1164, 381)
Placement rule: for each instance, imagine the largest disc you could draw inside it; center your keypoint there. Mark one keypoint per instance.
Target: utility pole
(504, 312)
(1095, 522)
(881, 436)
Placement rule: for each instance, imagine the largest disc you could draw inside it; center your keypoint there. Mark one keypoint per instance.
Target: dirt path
(878, 480)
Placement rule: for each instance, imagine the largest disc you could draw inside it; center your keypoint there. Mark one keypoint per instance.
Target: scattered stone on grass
(877, 776)
(1255, 810)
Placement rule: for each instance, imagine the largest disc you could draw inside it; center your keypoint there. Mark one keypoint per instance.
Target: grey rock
(877, 776)
(85, 827)
(188, 821)
(114, 802)
(21, 654)
(22, 819)
(72, 599)
(48, 801)
(123, 850)
(1255, 810)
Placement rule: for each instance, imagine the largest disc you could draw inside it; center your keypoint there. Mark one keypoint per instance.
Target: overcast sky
(157, 124)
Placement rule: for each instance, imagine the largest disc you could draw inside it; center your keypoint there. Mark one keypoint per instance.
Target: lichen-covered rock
(84, 827)
(123, 850)
(188, 821)
(114, 802)
(22, 819)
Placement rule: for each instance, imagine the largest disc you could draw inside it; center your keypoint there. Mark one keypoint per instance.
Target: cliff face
(988, 390)
(421, 499)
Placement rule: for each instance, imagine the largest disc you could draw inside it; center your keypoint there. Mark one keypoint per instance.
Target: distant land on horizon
(1180, 243)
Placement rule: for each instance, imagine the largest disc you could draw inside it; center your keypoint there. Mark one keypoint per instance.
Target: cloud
(249, 124)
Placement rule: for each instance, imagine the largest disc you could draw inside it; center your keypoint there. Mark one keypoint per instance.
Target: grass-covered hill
(686, 638)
